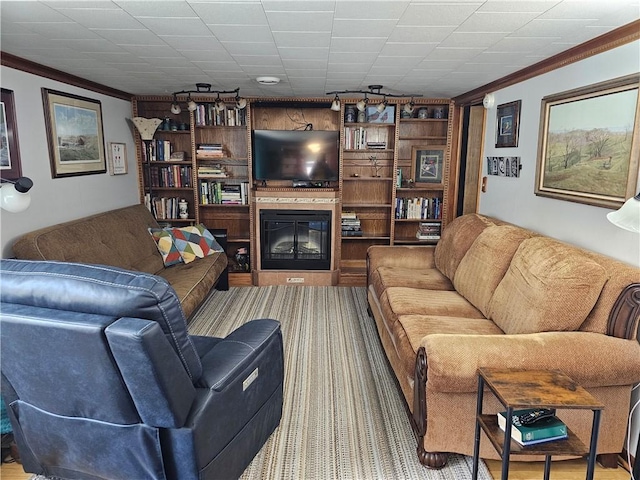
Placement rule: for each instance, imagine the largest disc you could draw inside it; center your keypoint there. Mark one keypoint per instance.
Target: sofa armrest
(591, 359)
(400, 256)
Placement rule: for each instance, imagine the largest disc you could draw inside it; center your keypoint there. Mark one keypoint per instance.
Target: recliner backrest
(100, 290)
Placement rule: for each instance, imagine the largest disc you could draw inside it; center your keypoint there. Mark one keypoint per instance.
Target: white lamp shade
(408, 107)
(335, 105)
(175, 108)
(241, 103)
(361, 105)
(14, 199)
(628, 215)
(191, 105)
(146, 126)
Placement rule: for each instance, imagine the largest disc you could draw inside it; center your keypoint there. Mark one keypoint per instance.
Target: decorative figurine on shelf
(183, 208)
(242, 258)
(374, 163)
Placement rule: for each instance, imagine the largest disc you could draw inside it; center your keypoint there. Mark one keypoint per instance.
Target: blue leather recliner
(102, 380)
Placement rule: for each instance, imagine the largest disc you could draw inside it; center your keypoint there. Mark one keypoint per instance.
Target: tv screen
(295, 155)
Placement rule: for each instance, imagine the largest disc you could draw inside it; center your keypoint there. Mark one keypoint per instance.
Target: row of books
(207, 115)
(220, 193)
(163, 208)
(209, 150)
(418, 208)
(429, 231)
(178, 176)
(350, 225)
(211, 171)
(544, 430)
(161, 151)
(355, 138)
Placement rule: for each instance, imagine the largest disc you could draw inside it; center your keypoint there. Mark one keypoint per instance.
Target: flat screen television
(306, 155)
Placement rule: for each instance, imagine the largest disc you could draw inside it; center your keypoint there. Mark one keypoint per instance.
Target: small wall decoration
(117, 158)
(74, 134)
(588, 145)
(10, 166)
(508, 124)
(504, 166)
(427, 164)
(386, 116)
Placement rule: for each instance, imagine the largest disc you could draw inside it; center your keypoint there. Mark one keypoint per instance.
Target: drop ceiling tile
(23, 41)
(305, 73)
(302, 39)
(397, 61)
(304, 53)
(444, 14)
(139, 36)
(357, 45)
(510, 6)
(175, 26)
(362, 28)
(300, 21)
(219, 55)
(420, 34)
(235, 33)
(29, 12)
(336, 57)
(521, 44)
(63, 31)
(204, 42)
(253, 60)
(585, 9)
(226, 13)
(95, 46)
(225, 67)
(156, 8)
(344, 68)
(407, 49)
(468, 39)
(370, 10)
(93, 17)
(344, 77)
(150, 50)
(552, 27)
(302, 63)
(250, 48)
(453, 53)
(495, 22)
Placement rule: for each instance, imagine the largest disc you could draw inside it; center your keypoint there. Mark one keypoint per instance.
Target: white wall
(513, 200)
(61, 199)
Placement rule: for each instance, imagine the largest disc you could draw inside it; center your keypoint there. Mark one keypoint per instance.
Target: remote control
(535, 415)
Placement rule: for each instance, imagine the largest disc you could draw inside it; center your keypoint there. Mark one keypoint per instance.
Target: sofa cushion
(456, 239)
(194, 242)
(425, 278)
(405, 301)
(549, 286)
(486, 262)
(166, 247)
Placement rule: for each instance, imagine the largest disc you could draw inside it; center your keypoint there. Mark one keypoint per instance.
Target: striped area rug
(343, 415)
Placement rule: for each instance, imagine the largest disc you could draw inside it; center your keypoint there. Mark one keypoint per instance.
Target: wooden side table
(522, 389)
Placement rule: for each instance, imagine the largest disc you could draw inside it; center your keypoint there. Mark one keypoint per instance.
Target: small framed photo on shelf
(427, 164)
(117, 158)
(74, 134)
(508, 123)
(388, 115)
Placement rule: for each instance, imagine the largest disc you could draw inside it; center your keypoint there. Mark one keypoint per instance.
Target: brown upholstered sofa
(492, 294)
(120, 238)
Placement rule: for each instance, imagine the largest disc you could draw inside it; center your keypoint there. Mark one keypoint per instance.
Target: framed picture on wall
(588, 145)
(74, 134)
(427, 164)
(117, 158)
(508, 124)
(10, 166)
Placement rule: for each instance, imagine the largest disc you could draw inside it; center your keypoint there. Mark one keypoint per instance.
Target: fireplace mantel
(297, 199)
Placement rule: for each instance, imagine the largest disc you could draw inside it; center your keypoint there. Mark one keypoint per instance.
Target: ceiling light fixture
(266, 80)
(205, 89)
(361, 105)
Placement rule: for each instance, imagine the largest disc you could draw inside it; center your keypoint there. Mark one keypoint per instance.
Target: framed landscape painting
(10, 167)
(588, 145)
(74, 134)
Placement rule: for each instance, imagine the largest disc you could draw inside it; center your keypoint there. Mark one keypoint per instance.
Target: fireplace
(295, 239)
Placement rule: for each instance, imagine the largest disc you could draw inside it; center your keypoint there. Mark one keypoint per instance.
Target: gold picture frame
(588, 146)
(74, 134)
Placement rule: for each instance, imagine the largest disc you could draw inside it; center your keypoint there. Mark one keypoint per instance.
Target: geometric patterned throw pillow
(194, 242)
(166, 247)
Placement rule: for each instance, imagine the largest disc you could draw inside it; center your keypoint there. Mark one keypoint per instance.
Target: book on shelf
(544, 430)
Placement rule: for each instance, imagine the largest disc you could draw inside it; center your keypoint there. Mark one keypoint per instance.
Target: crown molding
(18, 63)
(608, 41)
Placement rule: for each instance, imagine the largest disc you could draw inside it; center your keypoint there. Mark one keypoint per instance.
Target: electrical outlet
(295, 280)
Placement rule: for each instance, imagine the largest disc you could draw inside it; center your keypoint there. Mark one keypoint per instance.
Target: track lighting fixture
(335, 105)
(205, 89)
(361, 105)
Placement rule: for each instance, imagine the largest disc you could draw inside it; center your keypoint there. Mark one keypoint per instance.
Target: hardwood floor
(566, 470)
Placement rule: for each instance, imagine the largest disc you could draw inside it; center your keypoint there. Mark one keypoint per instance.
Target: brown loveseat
(492, 294)
(120, 238)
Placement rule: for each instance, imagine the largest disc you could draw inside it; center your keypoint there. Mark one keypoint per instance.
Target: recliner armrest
(161, 388)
